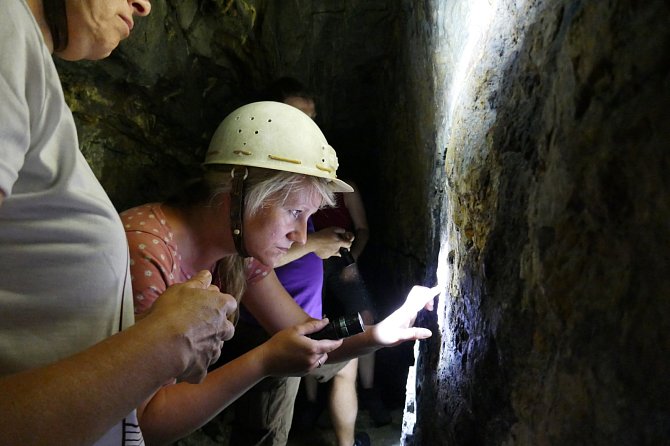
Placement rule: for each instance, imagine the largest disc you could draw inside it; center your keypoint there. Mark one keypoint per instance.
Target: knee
(348, 372)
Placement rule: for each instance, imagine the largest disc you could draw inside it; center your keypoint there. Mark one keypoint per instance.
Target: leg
(366, 363)
(310, 388)
(366, 371)
(344, 404)
(263, 415)
(308, 409)
(369, 395)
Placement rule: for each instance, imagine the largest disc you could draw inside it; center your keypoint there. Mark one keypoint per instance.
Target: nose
(299, 233)
(140, 7)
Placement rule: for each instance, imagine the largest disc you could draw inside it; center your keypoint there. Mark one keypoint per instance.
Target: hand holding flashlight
(339, 328)
(344, 252)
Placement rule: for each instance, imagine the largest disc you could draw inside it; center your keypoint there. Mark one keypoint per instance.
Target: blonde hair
(263, 188)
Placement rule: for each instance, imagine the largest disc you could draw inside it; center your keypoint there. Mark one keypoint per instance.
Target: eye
(295, 213)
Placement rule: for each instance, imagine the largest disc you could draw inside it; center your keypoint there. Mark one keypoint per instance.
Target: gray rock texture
(554, 231)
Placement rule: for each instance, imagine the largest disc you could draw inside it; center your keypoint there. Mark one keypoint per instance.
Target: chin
(72, 55)
(100, 56)
(102, 52)
(269, 261)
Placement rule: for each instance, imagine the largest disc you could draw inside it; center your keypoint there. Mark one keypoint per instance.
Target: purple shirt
(303, 279)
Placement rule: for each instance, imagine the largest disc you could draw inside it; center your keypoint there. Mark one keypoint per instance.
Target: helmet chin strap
(237, 210)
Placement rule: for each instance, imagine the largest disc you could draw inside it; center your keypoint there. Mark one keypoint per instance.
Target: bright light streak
(443, 272)
(409, 414)
(466, 32)
(479, 14)
(463, 48)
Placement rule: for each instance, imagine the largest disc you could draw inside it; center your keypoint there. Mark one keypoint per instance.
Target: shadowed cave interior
(513, 152)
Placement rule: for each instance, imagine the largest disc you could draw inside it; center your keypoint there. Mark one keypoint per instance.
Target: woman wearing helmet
(268, 168)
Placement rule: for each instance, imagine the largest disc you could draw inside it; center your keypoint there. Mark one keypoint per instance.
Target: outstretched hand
(397, 328)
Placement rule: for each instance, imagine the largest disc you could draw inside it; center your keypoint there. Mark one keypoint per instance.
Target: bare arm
(275, 309)
(272, 306)
(178, 409)
(175, 410)
(79, 398)
(395, 329)
(354, 204)
(324, 243)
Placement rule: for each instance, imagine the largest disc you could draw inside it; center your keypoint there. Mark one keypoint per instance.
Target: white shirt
(64, 282)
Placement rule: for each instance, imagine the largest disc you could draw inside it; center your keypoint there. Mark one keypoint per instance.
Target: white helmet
(277, 136)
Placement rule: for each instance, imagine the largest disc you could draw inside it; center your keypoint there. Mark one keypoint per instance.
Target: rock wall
(158, 98)
(146, 113)
(553, 325)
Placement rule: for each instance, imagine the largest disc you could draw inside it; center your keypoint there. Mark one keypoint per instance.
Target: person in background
(345, 291)
(267, 170)
(73, 367)
(264, 414)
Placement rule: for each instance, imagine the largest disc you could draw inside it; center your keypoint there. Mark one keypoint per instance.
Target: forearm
(294, 253)
(78, 399)
(361, 240)
(176, 410)
(393, 330)
(324, 243)
(355, 346)
(274, 309)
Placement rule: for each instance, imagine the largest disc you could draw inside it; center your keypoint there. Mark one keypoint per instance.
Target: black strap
(237, 211)
(123, 290)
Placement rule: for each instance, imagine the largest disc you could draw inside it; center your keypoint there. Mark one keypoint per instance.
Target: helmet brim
(338, 185)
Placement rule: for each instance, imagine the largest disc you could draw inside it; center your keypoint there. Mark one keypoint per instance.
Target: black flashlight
(339, 328)
(344, 252)
(347, 257)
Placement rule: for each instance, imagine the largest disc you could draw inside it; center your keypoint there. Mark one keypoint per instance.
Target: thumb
(419, 333)
(203, 279)
(311, 327)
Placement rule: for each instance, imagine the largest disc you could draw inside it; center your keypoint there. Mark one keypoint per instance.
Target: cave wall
(553, 123)
(146, 113)
(156, 101)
